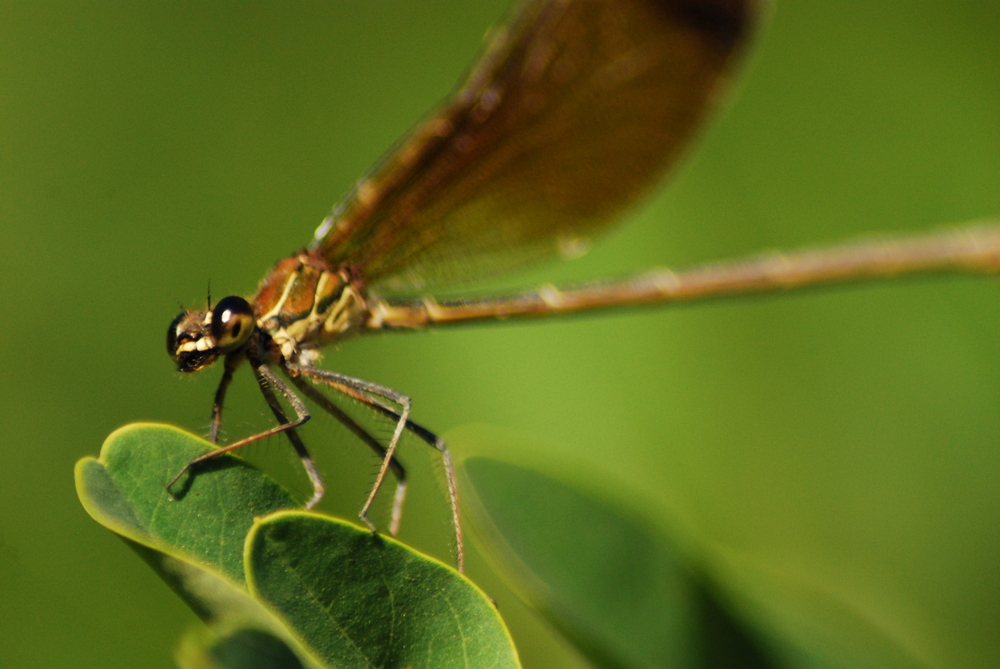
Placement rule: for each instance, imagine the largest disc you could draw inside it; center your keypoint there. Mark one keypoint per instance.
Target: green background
(833, 455)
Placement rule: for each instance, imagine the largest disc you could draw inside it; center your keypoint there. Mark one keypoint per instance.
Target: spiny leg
(233, 361)
(397, 468)
(260, 372)
(452, 484)
(359, 390)
(266, 380)
(368, 393)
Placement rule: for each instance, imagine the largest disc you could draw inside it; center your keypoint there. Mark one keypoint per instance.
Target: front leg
(233, 361)
(266, 381)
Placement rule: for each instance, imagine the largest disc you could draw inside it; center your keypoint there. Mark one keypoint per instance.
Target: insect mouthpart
(190, 343)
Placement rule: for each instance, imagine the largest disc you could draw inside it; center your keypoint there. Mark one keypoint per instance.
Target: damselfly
(575, 109)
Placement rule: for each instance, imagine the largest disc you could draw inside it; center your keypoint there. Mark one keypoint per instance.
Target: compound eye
(232, 323)
(172, 334)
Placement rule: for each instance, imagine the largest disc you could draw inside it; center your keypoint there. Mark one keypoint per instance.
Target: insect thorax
(303, 303)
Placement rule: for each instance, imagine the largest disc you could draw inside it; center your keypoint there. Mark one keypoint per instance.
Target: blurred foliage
(615, 587)
(832, 454)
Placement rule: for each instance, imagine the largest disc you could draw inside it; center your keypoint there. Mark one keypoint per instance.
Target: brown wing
(574, 110)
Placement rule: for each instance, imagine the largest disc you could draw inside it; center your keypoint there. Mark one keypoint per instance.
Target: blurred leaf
(243, 649)
(619, 590)
(337, 586)
(805, 624)
(627, 598)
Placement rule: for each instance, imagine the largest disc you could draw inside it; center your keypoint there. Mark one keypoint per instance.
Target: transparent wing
(575, 108)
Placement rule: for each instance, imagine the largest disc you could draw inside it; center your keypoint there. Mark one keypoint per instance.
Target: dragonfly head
(196, 339)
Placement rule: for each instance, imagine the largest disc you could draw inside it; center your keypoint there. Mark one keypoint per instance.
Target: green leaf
(321, 573)
(193, 541)
(206, 515)
(619, 590)
(394, 607)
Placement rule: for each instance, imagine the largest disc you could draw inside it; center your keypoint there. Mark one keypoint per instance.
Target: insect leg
(368, 393)
(449, 473)
(232, 362)
(397, 468)
(266, 379)
(268, 382)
